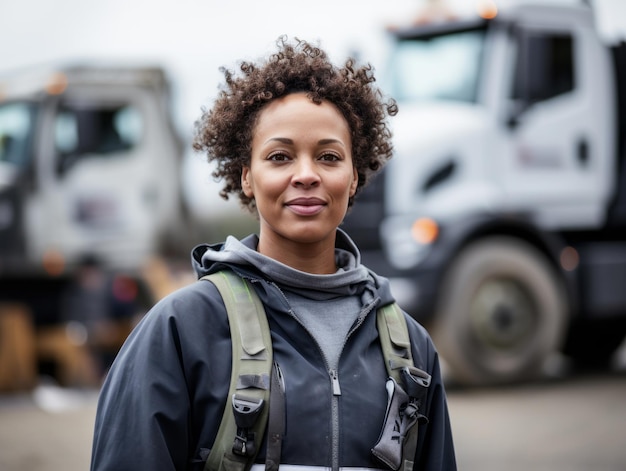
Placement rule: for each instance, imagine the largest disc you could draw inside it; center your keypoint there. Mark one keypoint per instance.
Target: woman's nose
(306, 173)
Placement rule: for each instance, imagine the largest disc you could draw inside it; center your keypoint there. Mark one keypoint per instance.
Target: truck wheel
(502, 312)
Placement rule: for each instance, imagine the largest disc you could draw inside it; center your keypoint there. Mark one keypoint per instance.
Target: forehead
(298, 110)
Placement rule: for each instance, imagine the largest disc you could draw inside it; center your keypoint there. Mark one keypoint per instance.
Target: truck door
(92, 168)
(554, 161)
(17, 123)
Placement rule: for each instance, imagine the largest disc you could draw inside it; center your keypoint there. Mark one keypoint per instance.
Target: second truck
(501, 220)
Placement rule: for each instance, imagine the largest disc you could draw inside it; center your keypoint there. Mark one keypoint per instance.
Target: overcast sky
(193, 38)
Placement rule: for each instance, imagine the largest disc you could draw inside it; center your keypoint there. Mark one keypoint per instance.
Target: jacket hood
(242, 257)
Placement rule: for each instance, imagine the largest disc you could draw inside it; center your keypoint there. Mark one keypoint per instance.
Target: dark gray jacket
(163, 399)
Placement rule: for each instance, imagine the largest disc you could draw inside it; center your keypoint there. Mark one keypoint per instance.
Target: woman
(295, 138)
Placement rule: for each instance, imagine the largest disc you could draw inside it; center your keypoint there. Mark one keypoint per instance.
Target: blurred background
(500, 222)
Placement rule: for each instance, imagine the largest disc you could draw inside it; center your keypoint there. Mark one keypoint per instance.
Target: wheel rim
(503, 316)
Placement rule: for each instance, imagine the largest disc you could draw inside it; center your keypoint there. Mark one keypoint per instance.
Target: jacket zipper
(336, 388)
(333, 374)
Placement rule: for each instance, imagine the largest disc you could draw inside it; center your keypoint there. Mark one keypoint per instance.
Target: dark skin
(301, 176)
(225, 132)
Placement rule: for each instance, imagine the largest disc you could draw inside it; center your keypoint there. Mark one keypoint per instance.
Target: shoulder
(186, 328)
(199, 294)
(195, 308)
(423, 348)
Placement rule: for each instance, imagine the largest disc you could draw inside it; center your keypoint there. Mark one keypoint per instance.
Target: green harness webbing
(398, 441)
(241, 430)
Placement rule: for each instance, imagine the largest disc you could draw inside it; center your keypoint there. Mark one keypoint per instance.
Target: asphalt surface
(576, 422)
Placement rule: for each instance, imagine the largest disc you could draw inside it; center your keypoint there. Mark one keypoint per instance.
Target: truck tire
(502, 313)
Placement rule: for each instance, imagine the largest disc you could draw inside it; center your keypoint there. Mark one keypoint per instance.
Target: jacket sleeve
(144, 418)
(435, 446)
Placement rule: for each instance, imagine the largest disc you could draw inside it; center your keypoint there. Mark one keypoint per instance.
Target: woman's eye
(278, 157)
(330, 157)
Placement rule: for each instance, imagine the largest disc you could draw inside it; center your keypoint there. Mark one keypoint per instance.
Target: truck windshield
(444, 67)
(16, 131)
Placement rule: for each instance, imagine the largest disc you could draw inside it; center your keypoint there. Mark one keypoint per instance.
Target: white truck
(89, 167)
(501, 219)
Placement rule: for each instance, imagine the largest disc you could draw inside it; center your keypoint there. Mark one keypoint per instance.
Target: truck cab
(88, 164)
(89, 169)
(503, 197)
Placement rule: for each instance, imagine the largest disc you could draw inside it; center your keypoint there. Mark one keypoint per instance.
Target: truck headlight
(407, 244)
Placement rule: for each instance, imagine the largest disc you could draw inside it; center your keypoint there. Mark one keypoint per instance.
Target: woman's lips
(306, 206)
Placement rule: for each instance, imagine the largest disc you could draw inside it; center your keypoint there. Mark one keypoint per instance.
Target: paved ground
(50, 430)
(577, 423)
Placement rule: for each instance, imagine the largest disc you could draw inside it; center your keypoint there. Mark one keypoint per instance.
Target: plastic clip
(246, 411)
(415, 383)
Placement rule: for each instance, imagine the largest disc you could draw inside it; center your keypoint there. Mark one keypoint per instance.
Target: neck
(316, 258)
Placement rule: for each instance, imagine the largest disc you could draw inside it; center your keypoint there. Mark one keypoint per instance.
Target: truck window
(16, 132)
(544, 67)
(88, 131)
(445, 67)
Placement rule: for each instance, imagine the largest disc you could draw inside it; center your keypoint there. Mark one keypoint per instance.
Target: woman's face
(301, 173)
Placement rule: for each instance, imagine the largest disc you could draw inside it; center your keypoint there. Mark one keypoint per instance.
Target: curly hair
(225, 132)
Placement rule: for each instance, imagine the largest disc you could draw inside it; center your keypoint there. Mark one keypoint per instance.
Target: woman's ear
(245, 182)
(355, 182)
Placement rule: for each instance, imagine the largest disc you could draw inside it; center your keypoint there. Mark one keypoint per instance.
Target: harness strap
(276, 424)
(404, 404)
(241, 430)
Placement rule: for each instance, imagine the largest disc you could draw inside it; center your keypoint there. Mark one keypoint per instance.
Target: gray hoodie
(326, 305)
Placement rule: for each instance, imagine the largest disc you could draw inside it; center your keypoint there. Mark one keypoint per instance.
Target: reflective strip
(295, 467)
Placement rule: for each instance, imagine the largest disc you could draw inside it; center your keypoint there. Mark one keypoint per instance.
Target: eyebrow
(286, 140)
(330, 141)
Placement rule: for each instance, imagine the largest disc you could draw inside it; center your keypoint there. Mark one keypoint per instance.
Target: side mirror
(516, 111)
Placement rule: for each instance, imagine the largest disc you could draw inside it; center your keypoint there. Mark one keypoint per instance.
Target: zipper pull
(335, 380)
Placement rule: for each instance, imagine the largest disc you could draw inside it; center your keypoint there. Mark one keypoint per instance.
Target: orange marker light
(569, 259)
(487, 9)
(57, 84)
(53, 262)
(425, 231)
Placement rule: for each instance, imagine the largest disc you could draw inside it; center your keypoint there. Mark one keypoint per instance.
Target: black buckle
(246, 411)
(414, 379)
(415, 382)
